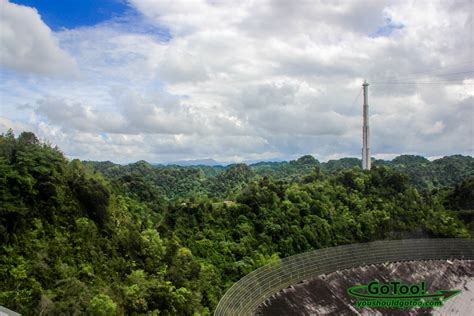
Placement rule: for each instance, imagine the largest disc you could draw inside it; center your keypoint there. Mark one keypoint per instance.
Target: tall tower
(366, 130)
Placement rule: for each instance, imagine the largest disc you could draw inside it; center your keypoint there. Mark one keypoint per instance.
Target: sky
(128, 80)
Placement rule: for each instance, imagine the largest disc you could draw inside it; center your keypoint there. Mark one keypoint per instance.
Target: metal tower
(365, 130)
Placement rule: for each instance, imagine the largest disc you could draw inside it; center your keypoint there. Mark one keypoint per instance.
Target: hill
(175, 181)
(196, 162)
(102, 239)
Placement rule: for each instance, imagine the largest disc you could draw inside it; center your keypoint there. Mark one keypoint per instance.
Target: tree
(101, 305)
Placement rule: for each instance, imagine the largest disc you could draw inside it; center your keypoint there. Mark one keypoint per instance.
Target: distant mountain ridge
(196, 162)
(205, 177)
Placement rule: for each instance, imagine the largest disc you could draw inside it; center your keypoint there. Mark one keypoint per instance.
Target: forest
(98, 238)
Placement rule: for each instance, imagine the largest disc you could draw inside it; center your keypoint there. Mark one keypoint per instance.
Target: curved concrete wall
(254, 288)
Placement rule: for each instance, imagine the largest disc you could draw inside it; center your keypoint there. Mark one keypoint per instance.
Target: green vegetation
(104, 239)
(174, 182)
(422, 173)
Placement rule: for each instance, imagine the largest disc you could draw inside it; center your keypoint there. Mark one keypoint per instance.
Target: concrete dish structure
(327, 294)
(246, 295)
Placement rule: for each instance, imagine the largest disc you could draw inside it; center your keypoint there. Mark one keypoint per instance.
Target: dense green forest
(105, 239)
(175, 181)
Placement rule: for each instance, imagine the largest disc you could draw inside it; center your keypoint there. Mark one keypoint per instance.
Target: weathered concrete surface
(327, 294)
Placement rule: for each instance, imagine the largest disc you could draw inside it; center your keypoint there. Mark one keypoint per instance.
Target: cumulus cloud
(133, 114)
(77, 116)
(258, 80)
(28, 45)
(16, 126)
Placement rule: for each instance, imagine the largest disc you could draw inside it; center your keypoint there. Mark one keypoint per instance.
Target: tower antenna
(365, 129)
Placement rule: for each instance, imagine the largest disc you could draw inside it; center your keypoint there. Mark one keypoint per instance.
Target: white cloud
(78, 117)
(28, 45)
(257, 80)
(17, 127)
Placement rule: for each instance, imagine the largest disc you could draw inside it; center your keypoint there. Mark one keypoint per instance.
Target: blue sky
(76, 13)
(387, 29)
(171, 80)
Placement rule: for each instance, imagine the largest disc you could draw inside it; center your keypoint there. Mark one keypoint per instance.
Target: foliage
(461, 200)
(104, 239)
